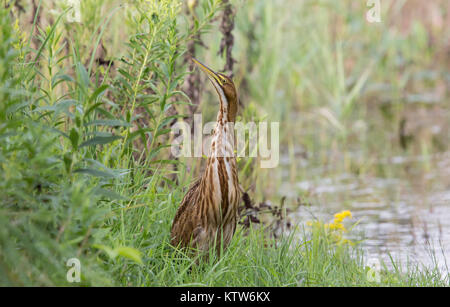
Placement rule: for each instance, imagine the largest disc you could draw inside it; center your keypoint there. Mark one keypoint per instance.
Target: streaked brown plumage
(208, 215)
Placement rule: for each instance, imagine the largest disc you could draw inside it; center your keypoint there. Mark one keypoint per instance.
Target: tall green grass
(341, 86)
(84, 160)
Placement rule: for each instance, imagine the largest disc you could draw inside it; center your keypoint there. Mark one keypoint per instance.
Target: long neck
(228, 107)
(220, 180)
(222, 144)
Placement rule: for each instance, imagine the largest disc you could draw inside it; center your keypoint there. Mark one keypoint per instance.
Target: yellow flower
(337, 226)
(339, 217)
(346, 214)
(334, 230)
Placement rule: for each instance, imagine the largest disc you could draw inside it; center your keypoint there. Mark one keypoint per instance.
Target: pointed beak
(211, 74)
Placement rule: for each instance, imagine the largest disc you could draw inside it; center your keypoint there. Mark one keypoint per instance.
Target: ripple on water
(407, 218)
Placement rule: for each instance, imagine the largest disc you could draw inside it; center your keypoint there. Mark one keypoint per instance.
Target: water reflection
(407, 217)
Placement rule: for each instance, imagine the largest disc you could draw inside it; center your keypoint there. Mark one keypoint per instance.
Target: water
(405, 216)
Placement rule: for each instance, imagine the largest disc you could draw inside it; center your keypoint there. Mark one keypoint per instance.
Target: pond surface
(407, 217)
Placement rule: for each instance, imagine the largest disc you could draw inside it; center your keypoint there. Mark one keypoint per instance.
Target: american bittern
(208, 213)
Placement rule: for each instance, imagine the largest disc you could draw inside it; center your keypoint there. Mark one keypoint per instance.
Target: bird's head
(225, 89)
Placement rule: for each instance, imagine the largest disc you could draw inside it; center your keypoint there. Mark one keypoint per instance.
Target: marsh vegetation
(88, 96)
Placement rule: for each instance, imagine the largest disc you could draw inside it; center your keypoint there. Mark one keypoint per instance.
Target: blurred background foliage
(87, 108)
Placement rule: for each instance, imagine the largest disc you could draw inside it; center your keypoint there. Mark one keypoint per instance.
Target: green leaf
(95, 172)
(83, 75)
(109, 194)
(109, 251)
(162, 131)
(105, 113)
(100, 140)
(99, 170)
(58, 107)
(99, 91)
(141, 131)
(125, 74)
(130, 253)
(67, 158)
(61, 78)
(124, 251)
(92, 108)
(74, 137)
(109, 123)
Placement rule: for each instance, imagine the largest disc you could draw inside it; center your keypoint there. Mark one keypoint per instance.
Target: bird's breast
(223, 174)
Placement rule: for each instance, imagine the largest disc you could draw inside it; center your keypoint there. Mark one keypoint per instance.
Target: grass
(302, 258)
(86, 171)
